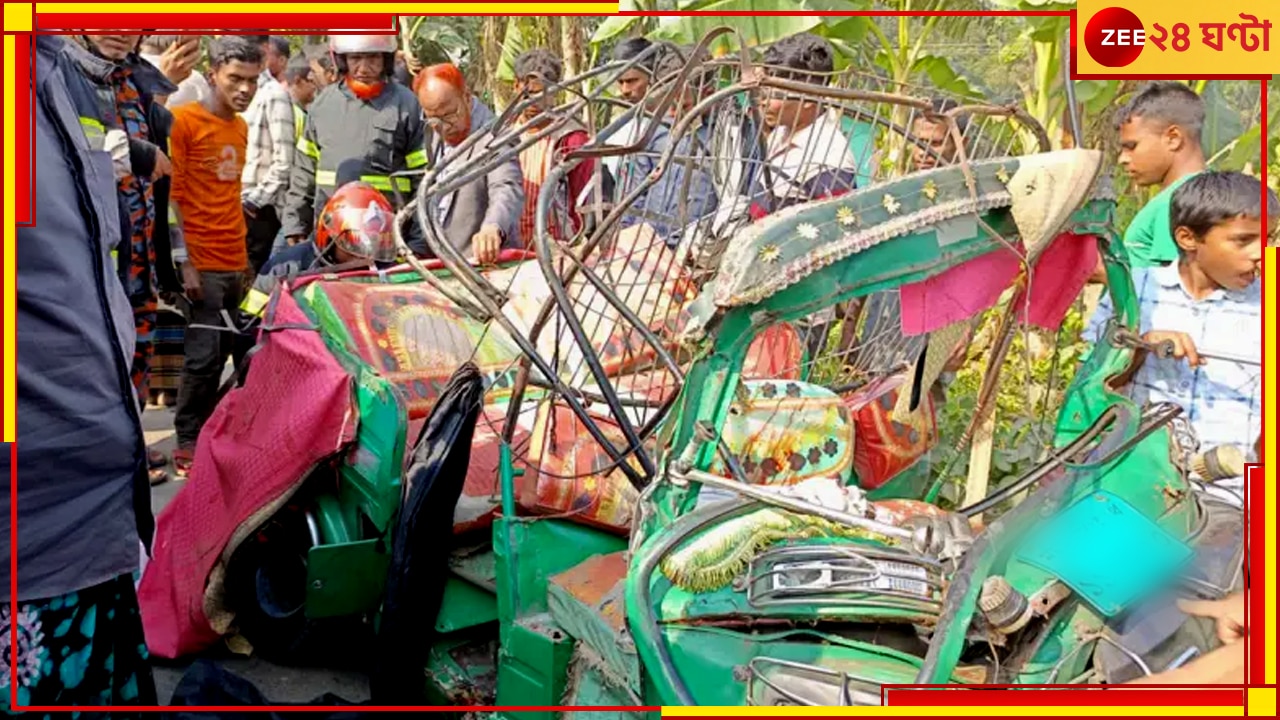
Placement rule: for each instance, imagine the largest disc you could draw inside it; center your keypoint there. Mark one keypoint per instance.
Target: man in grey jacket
(483, 217)
(83, 501)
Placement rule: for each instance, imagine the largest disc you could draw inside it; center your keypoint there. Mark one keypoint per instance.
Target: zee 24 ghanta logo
(1115, 37)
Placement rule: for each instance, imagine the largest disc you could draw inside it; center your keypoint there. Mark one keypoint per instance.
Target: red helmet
(360, 221)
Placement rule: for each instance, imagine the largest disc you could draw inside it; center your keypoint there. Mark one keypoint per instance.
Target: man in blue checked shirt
(1208, 303)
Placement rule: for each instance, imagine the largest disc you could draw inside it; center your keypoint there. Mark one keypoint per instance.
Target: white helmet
(348, 44)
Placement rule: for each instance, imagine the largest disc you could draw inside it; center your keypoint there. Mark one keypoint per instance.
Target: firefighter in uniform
(365, 118)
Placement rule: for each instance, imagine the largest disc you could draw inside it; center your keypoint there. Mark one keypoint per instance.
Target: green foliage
(432, 41)
(1036, 373)
(944, 77)
(513, 44)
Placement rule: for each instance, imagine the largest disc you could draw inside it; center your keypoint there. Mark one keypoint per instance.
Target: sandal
(158, 476)
(182, 460)
(156, 458)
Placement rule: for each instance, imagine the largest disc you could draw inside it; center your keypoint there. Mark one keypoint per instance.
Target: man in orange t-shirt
(208, 146)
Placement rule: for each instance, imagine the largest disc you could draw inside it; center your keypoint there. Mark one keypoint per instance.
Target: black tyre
(266, 588)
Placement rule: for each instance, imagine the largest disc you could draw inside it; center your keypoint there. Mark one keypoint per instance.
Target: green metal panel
(529, 550)
(479, 567)
(464, 605)
(533, 664)
(712, 661)
(345, 578)
(338, 522)
(535, 652)
(371, 473)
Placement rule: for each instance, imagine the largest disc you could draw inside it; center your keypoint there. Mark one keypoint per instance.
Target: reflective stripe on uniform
(326, 177)
(299, 122)
(415, 159)
(173, 216)
(255, 302)
(95, 132)
(383, 182)
(309, 149)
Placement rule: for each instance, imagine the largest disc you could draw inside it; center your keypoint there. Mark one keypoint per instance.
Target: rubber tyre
(266, 588)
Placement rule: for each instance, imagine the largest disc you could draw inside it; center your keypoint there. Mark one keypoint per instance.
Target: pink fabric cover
(295, 410)
(957, 293)
(1061, 274)
(965, 290)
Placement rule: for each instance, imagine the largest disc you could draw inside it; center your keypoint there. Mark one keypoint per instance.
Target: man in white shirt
(633, 85)
(272, 137)
(807, 151)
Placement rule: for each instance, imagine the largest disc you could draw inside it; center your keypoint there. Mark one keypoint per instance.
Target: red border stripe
(23, 135)
(1097, 697)
(318, 22)
(1256, 603)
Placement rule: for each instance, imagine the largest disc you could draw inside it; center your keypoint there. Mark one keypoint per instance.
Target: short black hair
(941, 106)
(1166, 101)
(299, 68)
(631, 48)
(803, 56)
(257, 39)
(159, 43)
(231, 48)
(1213, 197)
(539, 61)
(281, 46)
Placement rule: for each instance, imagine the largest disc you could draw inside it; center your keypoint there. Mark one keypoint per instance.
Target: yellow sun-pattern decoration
(891, 204)
(770, 253)
(930, 190)
(846, 216)
(1002, 175)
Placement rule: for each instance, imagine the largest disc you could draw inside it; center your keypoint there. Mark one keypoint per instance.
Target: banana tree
(431, 40)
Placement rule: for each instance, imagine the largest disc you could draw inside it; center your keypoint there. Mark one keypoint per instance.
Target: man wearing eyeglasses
(482, 217)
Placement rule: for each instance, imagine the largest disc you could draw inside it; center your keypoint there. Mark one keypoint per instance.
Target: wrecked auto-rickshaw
(690, 454)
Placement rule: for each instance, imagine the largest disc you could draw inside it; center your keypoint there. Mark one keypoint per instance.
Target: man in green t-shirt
(1159, 145)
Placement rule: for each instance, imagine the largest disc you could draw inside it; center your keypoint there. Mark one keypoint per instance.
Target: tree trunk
(491, 53)
(555, 39)
(573, 47)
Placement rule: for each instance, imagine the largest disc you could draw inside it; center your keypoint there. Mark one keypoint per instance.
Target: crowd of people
(170, 199)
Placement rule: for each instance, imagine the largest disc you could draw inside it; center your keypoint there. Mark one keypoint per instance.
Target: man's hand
(1183, 345)
(1229, 612)
(486, 244)
(249, 209)
(294, 239)
(179, 59)
(191, 283)
(163, 166)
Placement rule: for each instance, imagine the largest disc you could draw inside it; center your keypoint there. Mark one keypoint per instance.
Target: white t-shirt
(194, 88)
